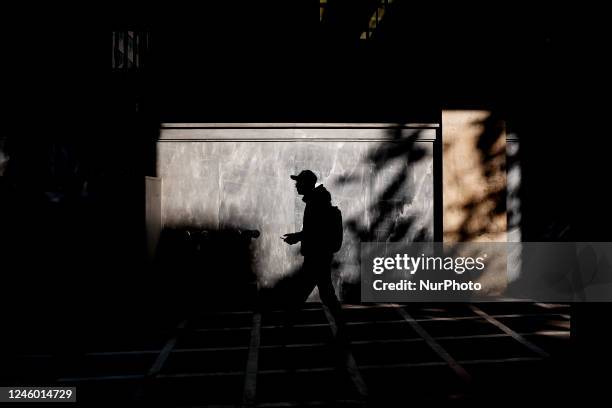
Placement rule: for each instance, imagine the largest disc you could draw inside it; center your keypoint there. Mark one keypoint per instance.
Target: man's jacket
(315, 240)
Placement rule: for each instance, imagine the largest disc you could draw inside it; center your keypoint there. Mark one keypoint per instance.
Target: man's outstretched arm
(292, 238)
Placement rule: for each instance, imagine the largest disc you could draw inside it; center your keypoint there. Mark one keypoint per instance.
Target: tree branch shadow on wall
(480, 210)
(388, 218)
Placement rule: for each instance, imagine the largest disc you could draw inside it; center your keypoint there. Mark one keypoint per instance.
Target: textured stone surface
(474, 176)
(153, 214)
(384, 189)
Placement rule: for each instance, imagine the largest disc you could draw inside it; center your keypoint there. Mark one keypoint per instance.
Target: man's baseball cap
(305, 175)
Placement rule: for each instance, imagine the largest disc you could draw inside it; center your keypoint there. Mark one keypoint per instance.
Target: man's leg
(327, 293)
(298, 291)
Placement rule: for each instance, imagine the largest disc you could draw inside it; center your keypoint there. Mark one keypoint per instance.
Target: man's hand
(291, 238)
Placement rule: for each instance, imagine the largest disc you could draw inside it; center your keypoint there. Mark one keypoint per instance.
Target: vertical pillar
(473, 176)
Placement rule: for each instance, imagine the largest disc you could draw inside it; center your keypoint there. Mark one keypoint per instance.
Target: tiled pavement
(416, 352)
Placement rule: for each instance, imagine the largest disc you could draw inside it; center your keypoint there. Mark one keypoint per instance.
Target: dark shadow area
(206, 269)
(83, 137)
(72, 226)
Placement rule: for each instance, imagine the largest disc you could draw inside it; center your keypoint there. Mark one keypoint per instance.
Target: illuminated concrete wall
(474, 153)
(215, 177)
(474, 176)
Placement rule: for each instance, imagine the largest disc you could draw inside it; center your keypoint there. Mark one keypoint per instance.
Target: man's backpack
(335, 229)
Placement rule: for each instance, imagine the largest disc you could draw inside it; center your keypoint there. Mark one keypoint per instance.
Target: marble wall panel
(385, 191)
(190, 193)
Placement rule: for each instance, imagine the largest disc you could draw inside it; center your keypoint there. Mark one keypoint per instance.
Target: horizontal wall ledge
(263, 134)
(299, 125)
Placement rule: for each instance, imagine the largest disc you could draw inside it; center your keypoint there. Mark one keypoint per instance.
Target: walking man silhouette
(315, 241)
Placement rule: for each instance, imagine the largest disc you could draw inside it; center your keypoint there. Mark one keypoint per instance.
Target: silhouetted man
(314, 238)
